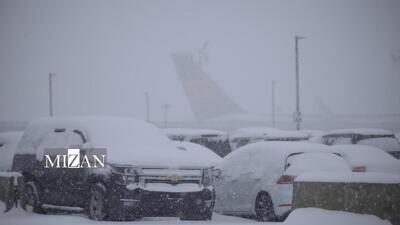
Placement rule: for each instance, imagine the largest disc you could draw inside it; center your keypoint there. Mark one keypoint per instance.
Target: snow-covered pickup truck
(144, 173)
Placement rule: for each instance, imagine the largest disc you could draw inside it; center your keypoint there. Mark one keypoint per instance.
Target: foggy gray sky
(106, 54)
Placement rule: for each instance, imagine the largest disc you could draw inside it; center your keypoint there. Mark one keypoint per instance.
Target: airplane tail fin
(205, 96)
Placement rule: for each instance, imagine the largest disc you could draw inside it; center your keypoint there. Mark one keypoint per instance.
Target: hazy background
(106, 54)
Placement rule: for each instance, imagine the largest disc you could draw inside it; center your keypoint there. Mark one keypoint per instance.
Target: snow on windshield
(386, 143)
(374, 159)
(266, 156)
(315, 161)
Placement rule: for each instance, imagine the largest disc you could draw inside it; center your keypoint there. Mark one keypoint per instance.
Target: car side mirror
(216, 172)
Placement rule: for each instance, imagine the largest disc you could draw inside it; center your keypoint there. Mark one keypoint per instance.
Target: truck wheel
(31, 198)
(97, 202)
(264, 208)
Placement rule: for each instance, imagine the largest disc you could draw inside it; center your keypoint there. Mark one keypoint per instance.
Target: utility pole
(166, 107)
(51, 75)
(273, 103)
(146, 94)
(297, 114)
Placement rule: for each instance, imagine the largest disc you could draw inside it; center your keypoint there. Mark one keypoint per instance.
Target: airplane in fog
(212, 106)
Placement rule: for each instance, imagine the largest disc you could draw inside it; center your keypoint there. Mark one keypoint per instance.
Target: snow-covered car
(312, 133)
(145, 174)
(248, 135)
(215, 140)
(8, 145)
(379, 138)
(200, 152)
(364, 158)
(257, 179)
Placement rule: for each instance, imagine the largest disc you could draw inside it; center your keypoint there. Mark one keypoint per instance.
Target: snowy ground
(307, 216)
(19, 217)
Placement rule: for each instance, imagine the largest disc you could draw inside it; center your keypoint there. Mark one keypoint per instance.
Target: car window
(243, 142)
(338, 140)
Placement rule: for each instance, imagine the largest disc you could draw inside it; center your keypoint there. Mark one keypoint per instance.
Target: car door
(60, 184)
(237, 182)
(222, 191)
(248, 183)
(226, 184)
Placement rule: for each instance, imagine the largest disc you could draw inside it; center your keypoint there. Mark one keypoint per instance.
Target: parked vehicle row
(380, 138)
(248, 135)
(146, 174)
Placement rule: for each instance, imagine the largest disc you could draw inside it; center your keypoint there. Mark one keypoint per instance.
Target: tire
(32, 198)
(204, 215)
(97, 205)
(264, 208)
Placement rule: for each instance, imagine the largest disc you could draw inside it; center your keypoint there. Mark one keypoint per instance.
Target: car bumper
(158, 203)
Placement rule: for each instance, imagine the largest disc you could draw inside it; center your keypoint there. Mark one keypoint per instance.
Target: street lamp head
(300, 37)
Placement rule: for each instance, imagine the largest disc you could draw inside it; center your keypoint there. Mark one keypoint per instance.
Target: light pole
(51, 75)
(273, 103)
(147, 98)
(297, 114)
(166, 107)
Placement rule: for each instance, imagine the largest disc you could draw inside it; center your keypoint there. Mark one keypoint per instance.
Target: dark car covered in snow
(144, 173)
(380, 138)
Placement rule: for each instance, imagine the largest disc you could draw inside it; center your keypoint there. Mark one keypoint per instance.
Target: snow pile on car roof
(128, 141)
(273, 154)
(363, 131)
(195, 133)
(314, 216)
(386, 143)
(267, 132)
(192, 131)
(8, 145)
(316, 161)
(374, 159)
(351, 177)
(199, 151)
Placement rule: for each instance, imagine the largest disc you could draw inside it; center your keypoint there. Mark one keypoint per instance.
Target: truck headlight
(125, 175)
(207, 177)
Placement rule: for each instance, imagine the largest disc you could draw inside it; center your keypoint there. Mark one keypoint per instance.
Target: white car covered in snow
(364, 158)
(248, 135)
(257, 179)
(379, 138)
(8, 145)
